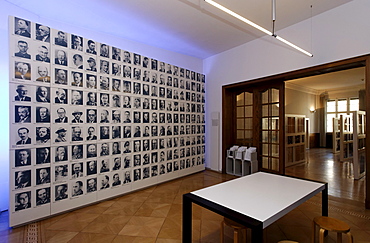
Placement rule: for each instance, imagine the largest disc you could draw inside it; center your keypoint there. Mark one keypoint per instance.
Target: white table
(256, 200)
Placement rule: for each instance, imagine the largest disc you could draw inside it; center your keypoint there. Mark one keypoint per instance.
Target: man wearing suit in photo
(23, 134)
(23, 48)
(61, 154)
(22, 93)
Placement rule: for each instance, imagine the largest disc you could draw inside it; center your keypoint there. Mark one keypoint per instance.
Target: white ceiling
(351, 79)
(190, 27)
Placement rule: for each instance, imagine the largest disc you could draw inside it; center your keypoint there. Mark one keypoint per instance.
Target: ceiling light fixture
(247, 21)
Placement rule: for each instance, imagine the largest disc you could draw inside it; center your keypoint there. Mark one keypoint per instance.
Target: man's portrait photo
(42, 115)
(61, 39)
(91, 47)
(22, 93)
(23, 134)
(22, 201)
(77, 43)
(43, 74)
(43, 176)
(42, 135)
(61, 153)
(77, 61)
(43, 94)
(104, 50)
(43, 54)
(42, 196)
(22, 50)
(61, 192)
(22, 157)
(22, 27)
(42, 33)
(61, 57)
(91, 167)
(22, 71)
(61, 76)
(22, 179)
(43, 155)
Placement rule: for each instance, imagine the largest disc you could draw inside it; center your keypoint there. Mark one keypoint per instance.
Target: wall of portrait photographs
(91, 121)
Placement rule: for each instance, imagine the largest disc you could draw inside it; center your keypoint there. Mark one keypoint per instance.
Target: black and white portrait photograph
(76, 133)
(42, 33)
(61, 57)
(42, 115)
(43, 176)
(127, 178)
(61, 153)
(116, 100)
(61, 192)
(104, 50)
(22, 92)
(22, 27)
(91, 115)
(116, 148)
(137, 117)
(22, 179)
(116, 180)
(76, 97)
(146, 172)
(91, 64)
(116, 69)
(61, 113)
(145, 117)
(154, 131)
(22, 49)
(116, 53)
(162, 67)
(137, 146)
(104, 166)
(137, 103)
(137, 174)
(137, 59)
(145, 89)
(91, 168)
(23, 136)
(77, 170)
(104, 83)
(43, 54)
(42, 196)
(77, 188)
(42, 74)
(77, 152)
(91, 150)
(91, 99)
(116, 132)
(61, 172)
(154, 169)
(117, 163)
(154, 78)
(104, 182)
(43, 94)
(91, 47)
(126, 71)
(137, 131)
(61, 97)
(61, 76)
(77, 61)
(22, 201)
(43, 155)
(154, 104)
(104, 67)
(77, 42)
(127, 147)
(91, 133)
(104, 132)
(154, 64)
(22, 157)
(22, 114)
(22, 70)
(104, 99)
(77, 116)
(42, 135)
(137, 88)
(127, 57)
(116, 85)
(77, 79)
(126, 102)
(104, 149)
(137, 73)
(91, 185)
(61, 39)
(126, 86)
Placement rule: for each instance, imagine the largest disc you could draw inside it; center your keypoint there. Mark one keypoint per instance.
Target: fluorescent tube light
(247, 21)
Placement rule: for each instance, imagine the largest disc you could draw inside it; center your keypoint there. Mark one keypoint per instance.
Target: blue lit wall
(7, 9)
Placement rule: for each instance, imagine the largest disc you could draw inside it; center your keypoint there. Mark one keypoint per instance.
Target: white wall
(7, 9)
(337, 34)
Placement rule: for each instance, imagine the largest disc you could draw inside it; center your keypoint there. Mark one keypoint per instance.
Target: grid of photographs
(87, 117)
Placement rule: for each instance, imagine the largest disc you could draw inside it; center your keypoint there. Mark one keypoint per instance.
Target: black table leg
(257, 234)
(325, 199)
(186, 219)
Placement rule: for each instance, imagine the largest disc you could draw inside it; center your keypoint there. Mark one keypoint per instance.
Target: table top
(262, 196)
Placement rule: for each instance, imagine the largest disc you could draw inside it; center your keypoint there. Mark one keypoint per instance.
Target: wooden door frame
(228, 105)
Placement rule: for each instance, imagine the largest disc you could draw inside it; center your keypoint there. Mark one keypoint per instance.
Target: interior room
(305, 67)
